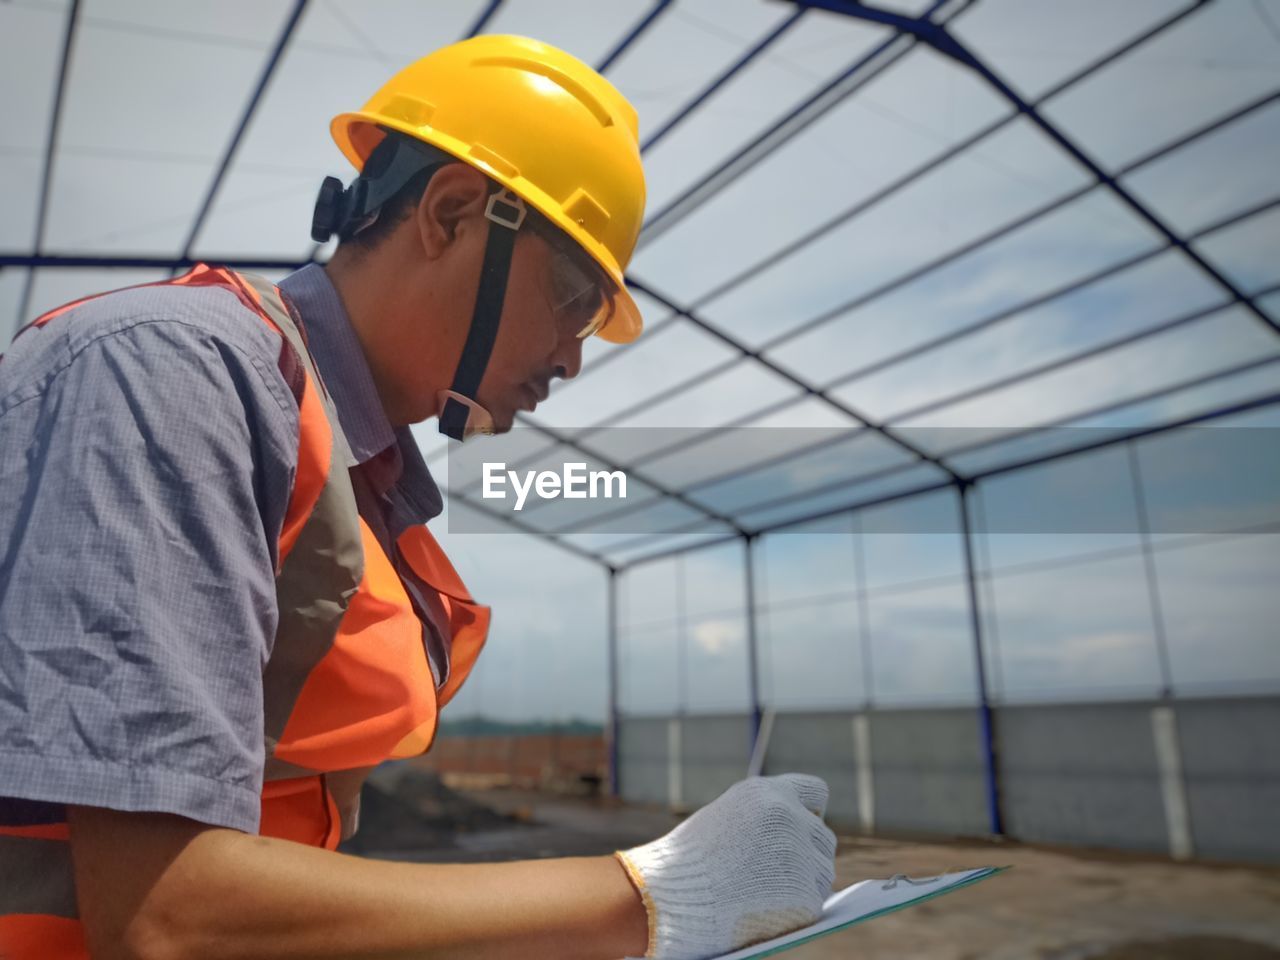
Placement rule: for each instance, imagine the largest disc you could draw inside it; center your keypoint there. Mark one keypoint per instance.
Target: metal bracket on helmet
(510, 202)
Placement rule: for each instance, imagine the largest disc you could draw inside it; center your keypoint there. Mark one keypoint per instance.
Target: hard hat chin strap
(479, 420)
(458, 418)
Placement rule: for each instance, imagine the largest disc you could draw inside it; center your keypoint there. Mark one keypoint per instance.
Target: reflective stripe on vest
(347, 685)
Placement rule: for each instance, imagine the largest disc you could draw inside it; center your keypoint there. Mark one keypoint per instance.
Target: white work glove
(755, 863)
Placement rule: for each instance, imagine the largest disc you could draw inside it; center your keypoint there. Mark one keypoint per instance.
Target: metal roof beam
(220, 174)
(1257, 403)
(50, 153)
(708, 91)
(797, 381)
(634, 34)
(937, 36)
(808, 111)
(482, 21)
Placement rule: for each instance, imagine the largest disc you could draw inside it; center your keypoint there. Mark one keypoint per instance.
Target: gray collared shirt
(415, 498)
(147, 449)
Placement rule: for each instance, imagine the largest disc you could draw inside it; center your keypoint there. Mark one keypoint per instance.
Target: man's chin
(504, 419)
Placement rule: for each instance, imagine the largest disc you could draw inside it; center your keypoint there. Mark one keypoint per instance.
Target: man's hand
(158, 887)
(755, 863)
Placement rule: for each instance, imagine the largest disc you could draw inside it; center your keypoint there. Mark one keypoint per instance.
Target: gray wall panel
(714, 754)
(820, 744)
(928, 771)
(1081, 774)
(1231, 766)
(642, 759)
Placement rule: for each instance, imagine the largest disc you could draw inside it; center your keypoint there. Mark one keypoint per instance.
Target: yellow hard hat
(538, 121)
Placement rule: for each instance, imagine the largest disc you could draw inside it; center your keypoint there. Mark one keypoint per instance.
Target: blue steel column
(613, 682)
(984, 703)
(753, 669)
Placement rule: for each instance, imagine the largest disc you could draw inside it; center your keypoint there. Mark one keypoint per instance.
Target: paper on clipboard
(863, 901)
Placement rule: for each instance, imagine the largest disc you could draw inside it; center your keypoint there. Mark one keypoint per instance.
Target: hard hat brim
(626, 323)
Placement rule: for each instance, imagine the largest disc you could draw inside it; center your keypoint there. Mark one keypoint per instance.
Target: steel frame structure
(903, 34)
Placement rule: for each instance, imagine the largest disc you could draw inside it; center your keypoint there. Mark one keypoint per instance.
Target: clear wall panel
(811, 656)
(1077, 506)
(795, 565)
(922, 644)
(1076, 630)
(1220, 608)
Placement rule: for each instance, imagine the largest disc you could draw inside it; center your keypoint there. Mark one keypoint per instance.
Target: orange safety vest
(347, 685)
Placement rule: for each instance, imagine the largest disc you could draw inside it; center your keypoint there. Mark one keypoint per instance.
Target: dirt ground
(1055, 904)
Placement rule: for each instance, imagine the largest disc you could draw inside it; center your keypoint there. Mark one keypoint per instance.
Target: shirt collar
(340, 358)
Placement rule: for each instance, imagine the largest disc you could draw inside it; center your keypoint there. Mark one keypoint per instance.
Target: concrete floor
(1054, 905)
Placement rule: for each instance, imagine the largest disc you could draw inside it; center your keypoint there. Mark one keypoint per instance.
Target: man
(220, 606)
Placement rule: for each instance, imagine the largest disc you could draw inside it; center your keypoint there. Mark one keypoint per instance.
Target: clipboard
(865, 900)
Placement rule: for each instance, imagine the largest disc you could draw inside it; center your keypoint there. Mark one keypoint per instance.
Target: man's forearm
(192, 892)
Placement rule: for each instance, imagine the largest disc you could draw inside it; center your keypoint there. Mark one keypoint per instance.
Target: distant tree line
(482, 726)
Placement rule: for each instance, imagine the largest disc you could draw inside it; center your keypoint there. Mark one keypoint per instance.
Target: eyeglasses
(581, 294)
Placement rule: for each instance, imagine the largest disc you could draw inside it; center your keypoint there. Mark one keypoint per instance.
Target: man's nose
(569, 359)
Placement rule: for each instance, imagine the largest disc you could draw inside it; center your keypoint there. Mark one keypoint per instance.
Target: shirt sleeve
(143, 485)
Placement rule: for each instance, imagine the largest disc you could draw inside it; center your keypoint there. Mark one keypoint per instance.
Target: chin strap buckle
(461, 418)
(513, 210)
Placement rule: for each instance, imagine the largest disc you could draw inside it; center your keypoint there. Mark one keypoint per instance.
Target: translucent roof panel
(818, 49)
(692, 43)
(30, 54)
(844, 223)
(1013, 173)
(1246, 252)
(1218, 58)
(669, 357)
(1115, 308)
(849, 154)
(1218, 341)
(827, 460)
(587, 29)
(1188, 201)
(136, 156)
(1052, 253)
(53, 288)
(12, 283)
(339, 55)
(730, 396)
(776, 511)
(1037, 44)
(1251, 380)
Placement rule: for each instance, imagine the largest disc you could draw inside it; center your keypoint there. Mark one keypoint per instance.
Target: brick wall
(553, 761)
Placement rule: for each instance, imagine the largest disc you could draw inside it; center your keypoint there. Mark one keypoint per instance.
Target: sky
(888, 311)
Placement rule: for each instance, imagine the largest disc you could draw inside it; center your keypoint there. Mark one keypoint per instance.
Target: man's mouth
(529, 398)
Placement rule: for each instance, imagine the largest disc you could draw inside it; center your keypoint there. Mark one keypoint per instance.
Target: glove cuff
(682, 908)
(651, 911)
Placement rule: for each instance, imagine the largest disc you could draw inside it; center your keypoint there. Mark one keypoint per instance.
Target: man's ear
(455, 194)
